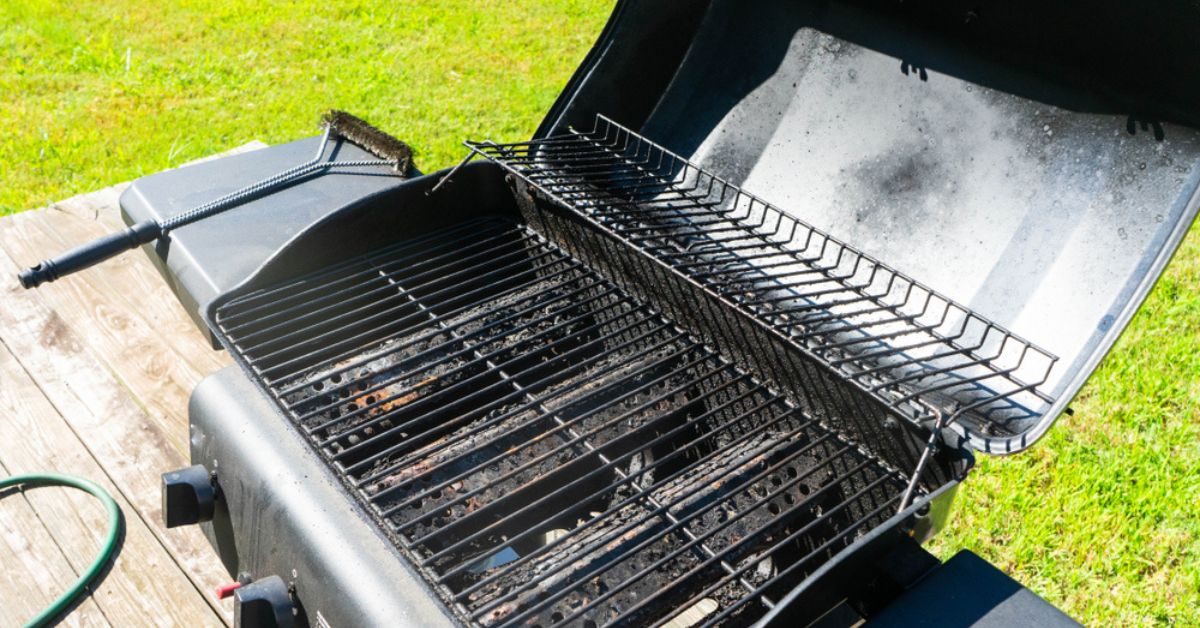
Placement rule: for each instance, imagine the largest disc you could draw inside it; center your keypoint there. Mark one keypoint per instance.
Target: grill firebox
(547, 448)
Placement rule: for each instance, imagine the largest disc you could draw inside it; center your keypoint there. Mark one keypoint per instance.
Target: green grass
(1101, 518)
(109, 90)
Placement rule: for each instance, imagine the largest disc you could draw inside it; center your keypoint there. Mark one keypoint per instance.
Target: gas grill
(597, 378)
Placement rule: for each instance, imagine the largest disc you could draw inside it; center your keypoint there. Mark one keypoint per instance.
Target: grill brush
(336, 124)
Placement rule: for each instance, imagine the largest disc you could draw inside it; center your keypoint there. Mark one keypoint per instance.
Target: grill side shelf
(911, 349)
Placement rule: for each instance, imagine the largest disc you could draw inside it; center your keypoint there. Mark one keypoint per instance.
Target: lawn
(1101, 518)
(110, 90)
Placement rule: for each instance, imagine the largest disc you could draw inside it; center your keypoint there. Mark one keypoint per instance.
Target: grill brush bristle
(363, 134)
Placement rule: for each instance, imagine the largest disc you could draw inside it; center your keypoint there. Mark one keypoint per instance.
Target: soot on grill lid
(1038, 171)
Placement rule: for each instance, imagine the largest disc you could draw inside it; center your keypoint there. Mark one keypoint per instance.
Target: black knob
(188, 496)
(264, 603)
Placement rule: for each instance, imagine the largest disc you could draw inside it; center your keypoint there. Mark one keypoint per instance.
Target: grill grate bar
(572, 271)
(725, 579)
(303, 301)
(466, 349)
(609, 465)
(658, 510)
(673, 520)
(813, 323)
(599, 542)
(883, 509)
(665, 559)
(264, 302)
(587, 283)
(525, 406)
(505, 380)
(508, 379)
(568, 445)
(495, 262)
(910, 319)
(346, 341)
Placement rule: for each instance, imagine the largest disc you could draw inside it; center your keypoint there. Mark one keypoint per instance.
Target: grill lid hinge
(936, 434)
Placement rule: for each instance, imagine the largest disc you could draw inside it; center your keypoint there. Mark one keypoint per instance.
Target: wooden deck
(95, 373)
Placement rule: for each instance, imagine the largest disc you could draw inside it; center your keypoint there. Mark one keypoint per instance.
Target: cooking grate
(546, 448)
(912, 349)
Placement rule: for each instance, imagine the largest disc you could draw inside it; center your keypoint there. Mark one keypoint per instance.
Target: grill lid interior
(1039, 176)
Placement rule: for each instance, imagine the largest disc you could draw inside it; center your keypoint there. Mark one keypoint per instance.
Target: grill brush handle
(90, 254)
(337, 124)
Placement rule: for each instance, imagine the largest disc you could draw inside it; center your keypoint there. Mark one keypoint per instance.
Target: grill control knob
(264, 603)
(188, 496)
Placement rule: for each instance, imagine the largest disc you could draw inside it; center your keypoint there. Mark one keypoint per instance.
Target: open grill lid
(1036, 165)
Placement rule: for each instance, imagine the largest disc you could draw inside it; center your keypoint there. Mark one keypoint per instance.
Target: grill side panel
(311, 532)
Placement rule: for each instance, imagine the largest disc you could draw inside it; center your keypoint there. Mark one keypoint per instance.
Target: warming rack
(914, 350)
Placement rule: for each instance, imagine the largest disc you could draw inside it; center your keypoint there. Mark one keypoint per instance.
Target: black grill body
(539, 444)
(591, 378)
(282, 511)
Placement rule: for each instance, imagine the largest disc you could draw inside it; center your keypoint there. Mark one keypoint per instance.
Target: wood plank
(33, 569)
(102, 206)
(131, 276)
(130, 318)
(131, 282)
(108, 297)
(132, 450)
(96, 318)
(109, 324)
(143, 582)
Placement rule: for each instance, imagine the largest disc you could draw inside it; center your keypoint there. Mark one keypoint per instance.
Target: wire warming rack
(912, 349)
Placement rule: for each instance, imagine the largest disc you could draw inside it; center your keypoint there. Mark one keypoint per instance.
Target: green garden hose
(107, 550)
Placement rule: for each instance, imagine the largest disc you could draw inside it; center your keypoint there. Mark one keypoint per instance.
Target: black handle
(90, 254)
